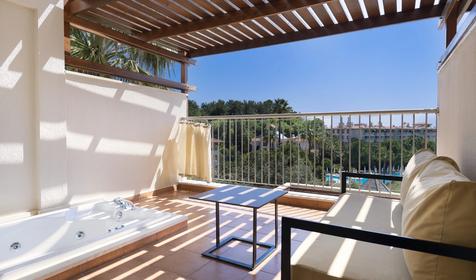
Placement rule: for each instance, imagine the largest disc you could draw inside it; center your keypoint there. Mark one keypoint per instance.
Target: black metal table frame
(254, 241)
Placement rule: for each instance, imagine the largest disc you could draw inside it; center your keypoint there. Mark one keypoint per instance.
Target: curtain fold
(194, 148)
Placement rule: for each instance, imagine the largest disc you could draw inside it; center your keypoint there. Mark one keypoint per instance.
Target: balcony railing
(308, 150)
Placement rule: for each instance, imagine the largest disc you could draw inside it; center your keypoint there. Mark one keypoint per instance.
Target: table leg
(217, 223)
(276, 223)
(255, 214)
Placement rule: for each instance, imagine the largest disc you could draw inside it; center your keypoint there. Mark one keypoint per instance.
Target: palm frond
(91, 47)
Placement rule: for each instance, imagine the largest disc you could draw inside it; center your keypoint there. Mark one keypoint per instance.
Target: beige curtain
(194, 148)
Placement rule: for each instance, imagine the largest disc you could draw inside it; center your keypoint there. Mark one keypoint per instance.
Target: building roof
(195, 28)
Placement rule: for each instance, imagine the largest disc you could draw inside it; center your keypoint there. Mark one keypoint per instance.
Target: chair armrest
(431, 247)
(345, 175)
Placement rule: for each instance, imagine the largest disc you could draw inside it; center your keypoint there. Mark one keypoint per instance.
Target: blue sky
(393, 67)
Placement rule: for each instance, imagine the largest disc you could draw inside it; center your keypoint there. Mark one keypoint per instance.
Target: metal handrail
(309, 114)
(307, 150)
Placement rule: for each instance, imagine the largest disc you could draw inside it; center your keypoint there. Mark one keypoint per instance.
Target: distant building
(347, 131)
(380, 133)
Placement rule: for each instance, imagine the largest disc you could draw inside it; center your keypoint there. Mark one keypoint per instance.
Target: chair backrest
(414, 165)
(440, 206)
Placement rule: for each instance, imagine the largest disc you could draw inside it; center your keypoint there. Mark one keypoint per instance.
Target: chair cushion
(440, 206)
(413, 166)
(329, 257)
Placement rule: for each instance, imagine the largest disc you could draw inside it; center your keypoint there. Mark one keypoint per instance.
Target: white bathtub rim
(21, 217)
(13, 217)
(60, 262)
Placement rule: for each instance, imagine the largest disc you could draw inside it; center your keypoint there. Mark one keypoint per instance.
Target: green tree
(193, 108)
(90, 47)
(214, 108)
(281, 106)
(245, 107)
(159, 66)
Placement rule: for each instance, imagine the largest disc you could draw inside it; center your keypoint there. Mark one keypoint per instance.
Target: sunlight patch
(8, 78)
(13, 54)
(364, 211)
(143, 100)
(338, 206)
(341, 260)
(96, 89)
(123, 147)
(54, 65)
(45, 14)
(52, 130)
(78, 141)
(53, 195)
(11, 153)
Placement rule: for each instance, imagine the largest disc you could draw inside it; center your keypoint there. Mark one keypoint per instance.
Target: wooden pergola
(184, 29)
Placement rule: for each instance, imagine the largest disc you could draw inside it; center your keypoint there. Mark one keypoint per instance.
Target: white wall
(68, 138)
(457, 104)
(17, 110)
(118, 135)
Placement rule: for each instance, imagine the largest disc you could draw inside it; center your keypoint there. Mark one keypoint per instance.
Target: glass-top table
(250, 197)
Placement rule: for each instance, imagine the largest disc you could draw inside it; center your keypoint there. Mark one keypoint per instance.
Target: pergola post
(184, 75)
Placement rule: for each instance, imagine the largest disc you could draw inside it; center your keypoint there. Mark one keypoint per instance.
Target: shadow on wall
(118, 134)
(50, 101)
(17, 143)
(89, 138)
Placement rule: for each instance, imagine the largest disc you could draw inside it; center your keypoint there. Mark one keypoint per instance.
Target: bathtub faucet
(124, 203)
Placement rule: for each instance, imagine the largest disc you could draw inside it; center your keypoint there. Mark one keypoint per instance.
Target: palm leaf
(91, 47)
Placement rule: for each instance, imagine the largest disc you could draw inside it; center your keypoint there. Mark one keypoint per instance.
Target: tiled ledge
(299, 199)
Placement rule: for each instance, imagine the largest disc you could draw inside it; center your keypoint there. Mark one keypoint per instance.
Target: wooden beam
(74, 7)
(451, 22)
(465, 6)
(258, 11)
(450, 5)
(334, 29)
(128, 40)
(117, 72)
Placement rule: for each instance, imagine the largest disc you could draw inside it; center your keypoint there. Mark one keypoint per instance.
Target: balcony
(307, 151)
(91, 120)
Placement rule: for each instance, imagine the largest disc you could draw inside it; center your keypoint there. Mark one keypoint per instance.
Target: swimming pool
(361, 181)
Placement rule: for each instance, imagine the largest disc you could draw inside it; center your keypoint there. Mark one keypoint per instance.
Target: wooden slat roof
(204, 27)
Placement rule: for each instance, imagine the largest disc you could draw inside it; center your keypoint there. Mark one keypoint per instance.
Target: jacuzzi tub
(45, 244)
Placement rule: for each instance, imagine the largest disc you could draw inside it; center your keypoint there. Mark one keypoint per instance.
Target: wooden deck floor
(179, 256)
